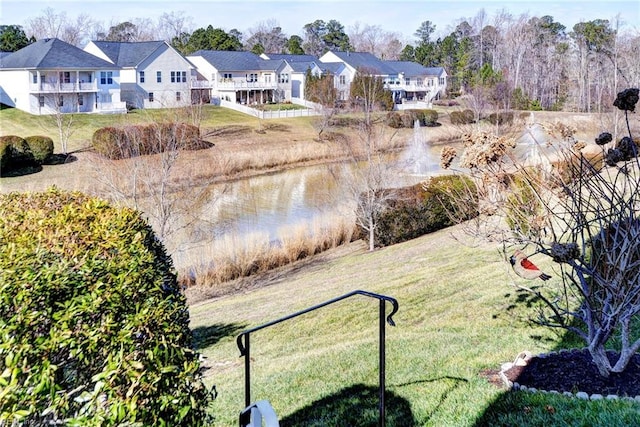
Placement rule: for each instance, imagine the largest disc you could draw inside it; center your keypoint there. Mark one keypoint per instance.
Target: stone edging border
(523, 358)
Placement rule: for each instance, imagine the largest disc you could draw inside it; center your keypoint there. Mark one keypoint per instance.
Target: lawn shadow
(354, 406)
(20, 171)
(456, 381)
(206, 336)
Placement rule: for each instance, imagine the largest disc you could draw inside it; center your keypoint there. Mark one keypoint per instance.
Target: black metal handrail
(245, 347)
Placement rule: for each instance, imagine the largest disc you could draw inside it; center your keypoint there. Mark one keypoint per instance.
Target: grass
(16, 122)
(459, 316)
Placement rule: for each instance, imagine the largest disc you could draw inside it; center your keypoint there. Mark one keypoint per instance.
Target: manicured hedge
(408, 118)
(94, 329)
(425, 208)
(41, 147)
(464, 117)
(502, 118)
(140, 140)
(15, 152)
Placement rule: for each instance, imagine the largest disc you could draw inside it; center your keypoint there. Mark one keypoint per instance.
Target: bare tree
(267, 34)
(59, 105)
(581, 211)
(372, 177)
(153, 175)
(58, 25)
(373, 39)
(173, 24)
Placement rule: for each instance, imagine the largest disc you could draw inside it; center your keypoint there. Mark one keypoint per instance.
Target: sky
(401, 16)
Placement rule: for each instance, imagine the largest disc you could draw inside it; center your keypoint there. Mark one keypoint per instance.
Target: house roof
(224, 60)
(414, 69)
(128, 54)
(365, 61)
(333, 67)
(53, 54)
(303, 66)
(291, 58)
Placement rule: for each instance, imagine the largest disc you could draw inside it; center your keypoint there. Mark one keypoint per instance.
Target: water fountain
(417, 160)
(531, 142)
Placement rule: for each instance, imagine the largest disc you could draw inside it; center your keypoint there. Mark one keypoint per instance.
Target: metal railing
(245, 348)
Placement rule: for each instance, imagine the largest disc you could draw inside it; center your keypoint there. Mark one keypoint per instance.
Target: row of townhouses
(51, 76)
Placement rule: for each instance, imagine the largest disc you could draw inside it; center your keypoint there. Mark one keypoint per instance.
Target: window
(178, 77)
(41, 100)
(283, 78)
(158, 76)
(178, 96)
(227, 76)
(252, 77)
(442, 80)
(408, 81)
(80, 100)
(65, 77)
(141, 76)
(343, 80)
(60, 101)
(35, 78)
(106, 77)
(150, 96)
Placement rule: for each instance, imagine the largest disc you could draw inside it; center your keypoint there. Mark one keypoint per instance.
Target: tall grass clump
(233, 258)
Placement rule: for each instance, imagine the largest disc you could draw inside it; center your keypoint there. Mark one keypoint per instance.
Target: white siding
(15, 89)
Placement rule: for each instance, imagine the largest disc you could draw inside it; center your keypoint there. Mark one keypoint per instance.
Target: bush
(503, 118)
(15, 152)
(41, 147)
(94, 327)
(464, 117)
(140, 140)
(394, 120)
(425, 208)
(110, 142)
(407, 118)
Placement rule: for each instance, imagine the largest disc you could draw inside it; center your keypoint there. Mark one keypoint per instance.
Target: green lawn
(16, 122)
(459, 315)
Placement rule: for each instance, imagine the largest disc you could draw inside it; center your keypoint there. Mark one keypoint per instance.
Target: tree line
(524, 61)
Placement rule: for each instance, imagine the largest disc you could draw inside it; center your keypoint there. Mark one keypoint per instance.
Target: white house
(408, 81)
(241, 77)
(52, 76)
(153, 74)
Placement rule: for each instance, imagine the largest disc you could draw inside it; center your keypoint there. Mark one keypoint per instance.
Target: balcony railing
(411, 87)
(244, 84)
(57, 87)
(201, 84)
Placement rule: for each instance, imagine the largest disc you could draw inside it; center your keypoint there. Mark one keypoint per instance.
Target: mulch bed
(573, 371)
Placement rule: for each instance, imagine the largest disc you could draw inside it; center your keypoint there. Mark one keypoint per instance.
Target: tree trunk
(371, 236)
(599, 356)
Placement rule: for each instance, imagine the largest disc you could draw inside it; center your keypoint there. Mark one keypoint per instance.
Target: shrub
(110, 142)
(140, 140)
(394, 120)
(425, 208)
(464, 117)
(15, 152)
(502, 118)
(94, 327)
(41, 147)
(407, 118)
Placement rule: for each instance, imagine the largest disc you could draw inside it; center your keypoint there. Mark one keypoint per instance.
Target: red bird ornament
(525, 268)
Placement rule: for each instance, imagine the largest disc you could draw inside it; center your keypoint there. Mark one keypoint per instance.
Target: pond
(269, 207)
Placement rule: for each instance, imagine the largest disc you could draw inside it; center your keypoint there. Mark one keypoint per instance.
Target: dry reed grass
(215, 266)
